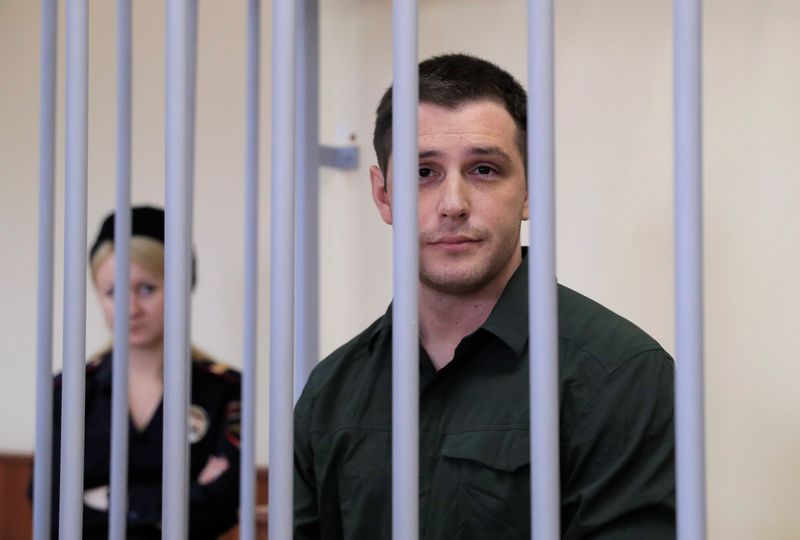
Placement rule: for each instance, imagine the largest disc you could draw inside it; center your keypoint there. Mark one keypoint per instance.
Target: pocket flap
(501, 450)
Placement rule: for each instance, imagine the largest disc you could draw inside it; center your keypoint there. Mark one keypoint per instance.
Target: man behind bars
(616, 382)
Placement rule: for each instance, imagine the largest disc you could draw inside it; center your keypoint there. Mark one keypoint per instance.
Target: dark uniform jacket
(214, 430)
(616, 432)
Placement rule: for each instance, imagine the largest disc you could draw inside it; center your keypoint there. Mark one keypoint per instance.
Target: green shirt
(616, 431)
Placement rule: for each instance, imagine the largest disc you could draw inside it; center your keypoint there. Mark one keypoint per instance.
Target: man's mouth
(455, 242)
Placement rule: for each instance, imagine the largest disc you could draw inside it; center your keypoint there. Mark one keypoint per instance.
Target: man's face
(472, 196)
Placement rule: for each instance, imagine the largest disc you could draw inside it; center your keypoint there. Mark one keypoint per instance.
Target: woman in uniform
(214, 414)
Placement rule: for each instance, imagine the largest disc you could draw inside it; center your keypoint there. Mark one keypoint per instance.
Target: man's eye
(425, 172)
(484, 170)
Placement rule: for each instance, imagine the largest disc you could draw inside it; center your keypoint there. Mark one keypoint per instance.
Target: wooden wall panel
(15, 508)
(16, 512)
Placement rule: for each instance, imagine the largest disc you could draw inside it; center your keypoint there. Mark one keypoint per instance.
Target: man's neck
(445, 319)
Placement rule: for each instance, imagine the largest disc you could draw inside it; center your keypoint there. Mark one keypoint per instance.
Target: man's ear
(381, 194)
(525, 211)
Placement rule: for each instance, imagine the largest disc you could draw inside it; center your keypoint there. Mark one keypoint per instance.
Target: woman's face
(146, 309)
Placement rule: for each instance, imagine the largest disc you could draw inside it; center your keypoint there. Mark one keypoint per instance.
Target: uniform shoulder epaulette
(207, 364)
(94, 362)
(92, 365)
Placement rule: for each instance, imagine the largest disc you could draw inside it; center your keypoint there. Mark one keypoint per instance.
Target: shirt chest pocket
(483, 483)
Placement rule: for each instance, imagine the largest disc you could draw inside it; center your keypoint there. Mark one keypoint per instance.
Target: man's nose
(454, 197)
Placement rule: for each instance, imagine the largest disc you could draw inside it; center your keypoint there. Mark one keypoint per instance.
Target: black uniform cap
(146, 221)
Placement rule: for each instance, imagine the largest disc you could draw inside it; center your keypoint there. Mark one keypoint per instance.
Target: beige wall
(614, 195)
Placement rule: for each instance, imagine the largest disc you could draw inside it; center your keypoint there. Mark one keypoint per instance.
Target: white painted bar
(689, 394)
(191, 110)
(177, 269)
(247, 470)
(74, 370)
(543, 297)
(191, 113)
(306, 289)
(43, 464)
(281, 334)
(405, 306)
(118, 502)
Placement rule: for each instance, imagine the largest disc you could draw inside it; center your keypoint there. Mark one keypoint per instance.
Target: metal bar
(43, 464)
(307, 157)
(177, 269)
(281, 429)
(191, 110)
(191, 113)
(118, 503)
(247, 471)
(543, 299)
(405, 306)
(689, 395)
(74, 370)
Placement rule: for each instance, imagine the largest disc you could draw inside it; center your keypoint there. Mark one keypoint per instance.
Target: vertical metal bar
(689, 395)
(405, 307)
(74, 372)
(247, 471)
(43, 464)
(543, 299)
(176, 287)
(118, 503)
(307, 197)
(281, 334)
(191, 113)
(191, 110)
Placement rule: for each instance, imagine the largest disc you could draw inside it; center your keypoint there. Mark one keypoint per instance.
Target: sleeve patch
(233, 422)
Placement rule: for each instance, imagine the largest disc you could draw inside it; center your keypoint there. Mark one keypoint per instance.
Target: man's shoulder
(345, 365)
(595, 330)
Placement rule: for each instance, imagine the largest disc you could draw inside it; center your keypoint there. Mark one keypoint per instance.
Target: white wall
(614, 153)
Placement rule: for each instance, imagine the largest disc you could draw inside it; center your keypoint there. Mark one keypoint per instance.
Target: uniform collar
(102, 364)
(508, 320)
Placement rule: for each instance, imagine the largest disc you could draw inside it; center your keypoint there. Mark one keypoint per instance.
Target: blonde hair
(145, 252)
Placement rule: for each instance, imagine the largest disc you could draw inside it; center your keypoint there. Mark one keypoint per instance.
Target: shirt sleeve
(92, 519)
(214, 507)
(306, 508)
(618, 467)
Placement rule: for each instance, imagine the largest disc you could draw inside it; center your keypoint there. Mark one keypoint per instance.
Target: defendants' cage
(293, 309)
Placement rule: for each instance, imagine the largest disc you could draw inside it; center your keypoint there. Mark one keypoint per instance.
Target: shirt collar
(104, 372)
(509, 317)
(383, 326)
(508, 320)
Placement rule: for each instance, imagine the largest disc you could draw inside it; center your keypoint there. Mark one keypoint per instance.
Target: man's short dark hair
(449, 81)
